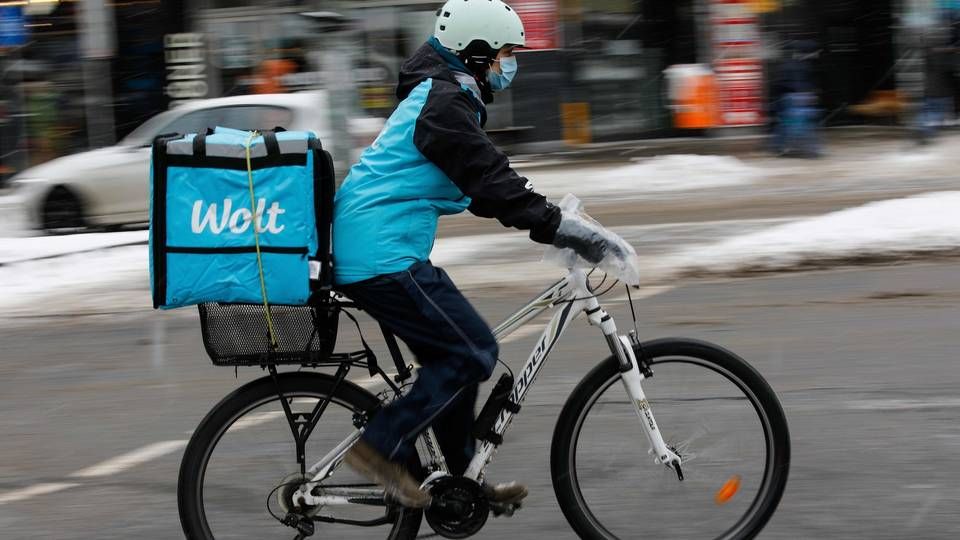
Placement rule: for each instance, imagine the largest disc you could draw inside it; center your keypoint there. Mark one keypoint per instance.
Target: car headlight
(21, 181)
(24, 187)
(24, 191)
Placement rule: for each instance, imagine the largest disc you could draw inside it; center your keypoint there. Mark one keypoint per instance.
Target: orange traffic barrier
(694, 97)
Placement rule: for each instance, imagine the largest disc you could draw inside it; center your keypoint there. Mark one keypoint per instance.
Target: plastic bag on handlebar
(620, 262)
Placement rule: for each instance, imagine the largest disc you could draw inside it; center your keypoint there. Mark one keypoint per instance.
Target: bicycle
(719, 442)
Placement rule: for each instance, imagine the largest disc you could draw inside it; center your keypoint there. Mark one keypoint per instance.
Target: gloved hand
(588, 239)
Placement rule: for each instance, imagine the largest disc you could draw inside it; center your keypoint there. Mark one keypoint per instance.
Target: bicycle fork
(632, 375)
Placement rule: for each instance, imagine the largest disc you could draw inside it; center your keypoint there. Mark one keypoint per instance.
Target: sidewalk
(749, 144)
(856, 162)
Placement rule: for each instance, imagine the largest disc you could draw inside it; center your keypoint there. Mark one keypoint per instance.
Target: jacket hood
(426, 63)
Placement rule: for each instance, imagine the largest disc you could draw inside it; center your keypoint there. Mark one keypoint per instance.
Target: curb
(66, 254)
(736, 145)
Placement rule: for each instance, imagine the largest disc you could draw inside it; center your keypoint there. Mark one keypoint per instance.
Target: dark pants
(795, 131)
(455, 349)
(935, 111)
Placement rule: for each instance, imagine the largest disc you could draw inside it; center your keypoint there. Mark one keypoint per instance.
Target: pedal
(504, 509)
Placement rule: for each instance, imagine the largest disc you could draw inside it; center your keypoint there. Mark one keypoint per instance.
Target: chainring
(459, 509)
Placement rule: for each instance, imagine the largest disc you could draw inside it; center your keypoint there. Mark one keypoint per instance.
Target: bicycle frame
(575, 297)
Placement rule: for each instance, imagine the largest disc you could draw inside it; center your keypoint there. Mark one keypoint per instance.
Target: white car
(109, 187)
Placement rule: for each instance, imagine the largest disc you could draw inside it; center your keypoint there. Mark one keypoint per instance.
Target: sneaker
(510, 493)
(397, 483)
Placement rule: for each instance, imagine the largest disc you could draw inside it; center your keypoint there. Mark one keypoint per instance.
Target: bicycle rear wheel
(244, 450)
(713, 409)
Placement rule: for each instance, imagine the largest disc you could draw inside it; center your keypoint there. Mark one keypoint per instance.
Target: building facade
(593, 71)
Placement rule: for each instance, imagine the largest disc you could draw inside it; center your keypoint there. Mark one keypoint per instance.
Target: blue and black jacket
(432, 158)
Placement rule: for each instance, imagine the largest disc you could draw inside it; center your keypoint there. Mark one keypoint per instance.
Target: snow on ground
(660, 174)
(873, 166)
(90, 278)
(669, 173)
(681, 172)
(879, 161)
(111, 279)
(13, 216)
(927, 223)
(13, 250)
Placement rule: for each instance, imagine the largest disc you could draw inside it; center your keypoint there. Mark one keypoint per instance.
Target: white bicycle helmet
(461, 22)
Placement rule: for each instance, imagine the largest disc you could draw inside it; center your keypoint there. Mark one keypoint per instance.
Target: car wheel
(62, 211)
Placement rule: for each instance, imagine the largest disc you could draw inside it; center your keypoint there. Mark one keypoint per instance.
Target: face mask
(508, 70)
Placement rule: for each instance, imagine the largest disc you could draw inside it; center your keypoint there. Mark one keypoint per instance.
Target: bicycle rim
(711, 418)
(253, 452)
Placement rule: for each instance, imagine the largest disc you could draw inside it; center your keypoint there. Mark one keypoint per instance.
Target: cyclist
(433, 158)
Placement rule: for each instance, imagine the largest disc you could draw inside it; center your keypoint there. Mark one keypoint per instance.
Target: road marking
(35, 490)
(921, 513)
(255, 419)
(131, 459)
(371, 382)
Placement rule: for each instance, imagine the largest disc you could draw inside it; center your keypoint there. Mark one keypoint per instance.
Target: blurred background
(87, 74)
(787, 171)
(83, 74)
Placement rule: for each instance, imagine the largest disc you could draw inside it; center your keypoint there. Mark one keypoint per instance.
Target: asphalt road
(864, 361)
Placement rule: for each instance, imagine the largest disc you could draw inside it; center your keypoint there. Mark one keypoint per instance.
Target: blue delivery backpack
(211, 214)
(240, 226)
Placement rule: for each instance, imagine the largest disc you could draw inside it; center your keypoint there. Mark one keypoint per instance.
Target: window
(248, 117)
(193, 122)
(255, 117)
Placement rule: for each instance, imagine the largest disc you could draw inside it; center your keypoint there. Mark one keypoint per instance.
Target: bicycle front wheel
(240, 466)
(713, 409)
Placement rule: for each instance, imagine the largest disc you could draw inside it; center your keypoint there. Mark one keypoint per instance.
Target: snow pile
(682, 172)
(885, 230)
(116, 278)
(18, 249)
(13, 217)
(96, 278)
(877, 163)
(669, 173)
(488, 248)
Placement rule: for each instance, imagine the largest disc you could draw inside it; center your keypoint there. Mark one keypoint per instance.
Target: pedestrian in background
(794, 103)
(938, 85)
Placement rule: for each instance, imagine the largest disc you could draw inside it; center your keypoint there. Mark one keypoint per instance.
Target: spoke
(707, 420)
(683, 447)
(324, 468)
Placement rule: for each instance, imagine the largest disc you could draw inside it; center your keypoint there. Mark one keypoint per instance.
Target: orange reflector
(728, 490)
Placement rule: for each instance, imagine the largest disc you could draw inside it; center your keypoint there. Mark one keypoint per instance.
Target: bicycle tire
(727, 364)
(231, 409)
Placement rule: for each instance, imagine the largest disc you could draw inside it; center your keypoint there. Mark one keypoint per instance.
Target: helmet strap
(486, 93)
(478, 56)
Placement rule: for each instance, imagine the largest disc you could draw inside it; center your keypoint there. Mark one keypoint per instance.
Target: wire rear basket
(237, 334)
